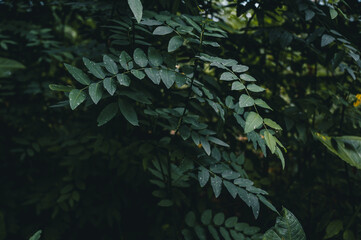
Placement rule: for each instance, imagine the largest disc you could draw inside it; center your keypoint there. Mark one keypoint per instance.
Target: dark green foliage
(192, 119)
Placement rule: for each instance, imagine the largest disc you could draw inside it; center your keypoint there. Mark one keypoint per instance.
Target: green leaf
(205, 145)
(224, 233)
(203, 176)
(123, 79)
(190, 219)
(138, 74)
(218, 219)
(137, 9)
(230, 175)
(187, 234)
(95, 92)
(272, 124)
(211, 43)
(162, 30)
(175, 43)
(254, 203)
(76, 97)
(181, 79)
(250, 230)
(60, 88)
(309, 14)
(255, 88)
(236, 235)
(333, 13)
(216, 183)
(154, 56)
(287, 227)
(244, 196)
(232, 189)
(6, 63)
(192, 23)
(150, 22)
(168, 77)
(348, 235)
(110, 65)
(140, 58)
(206, 217)
(165, 203)
(240, 68)
(136, 96)
(247, 78)
(218, 141)
(243, 182)
(77, 74)
(228, 76)
(128, 112)
(200, 232)
(125, 61)
(253, 121)
(270, 141)
(261, 103)
(280, 156)
(212, 230)
(236, 85)
(36, 235)
(109, 85)
(7, 66)
(348, 148)
(94, 68)
(267, 203)
(231, 222)
(107, 114)
(153, 75)
(326, 39)
(245, 101)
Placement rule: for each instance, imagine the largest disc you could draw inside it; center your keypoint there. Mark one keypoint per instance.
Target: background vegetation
(165, 142)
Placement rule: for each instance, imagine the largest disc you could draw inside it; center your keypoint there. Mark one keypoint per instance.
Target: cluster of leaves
(228, 228)
(176, 100)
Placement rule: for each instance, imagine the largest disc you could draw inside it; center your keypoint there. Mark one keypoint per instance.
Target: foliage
(171, 94)
(286, 227)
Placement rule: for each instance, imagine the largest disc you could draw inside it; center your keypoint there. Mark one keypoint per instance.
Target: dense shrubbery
(190, 121)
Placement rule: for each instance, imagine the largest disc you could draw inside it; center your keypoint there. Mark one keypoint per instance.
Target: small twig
(196, 62)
